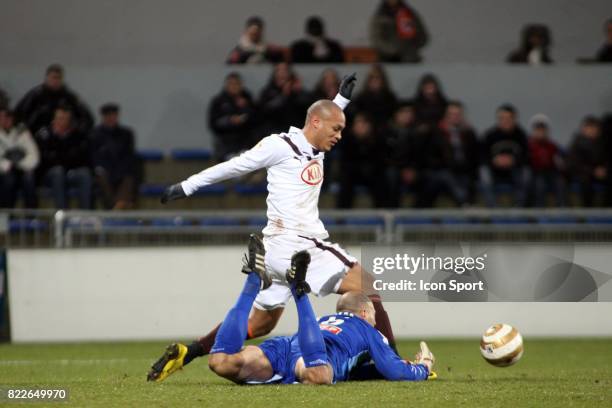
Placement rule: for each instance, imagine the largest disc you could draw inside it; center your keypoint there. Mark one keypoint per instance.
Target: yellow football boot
(169, 363)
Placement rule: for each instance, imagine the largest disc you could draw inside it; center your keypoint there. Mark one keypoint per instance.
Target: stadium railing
(83, 229)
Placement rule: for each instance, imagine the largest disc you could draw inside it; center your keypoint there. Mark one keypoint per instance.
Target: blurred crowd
(49, 141)
(423, 146)
(397, 34)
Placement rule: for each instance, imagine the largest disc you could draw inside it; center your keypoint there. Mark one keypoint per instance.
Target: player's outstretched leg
(315, 368)
(226, 358)
(177, 355)
(233, 330)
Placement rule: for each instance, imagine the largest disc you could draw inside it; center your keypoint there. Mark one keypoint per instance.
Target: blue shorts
(283, 353)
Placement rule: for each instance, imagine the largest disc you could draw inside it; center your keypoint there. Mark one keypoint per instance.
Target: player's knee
(317, 376)
(260, 329)
(263, 328)
(222, 365)
(215, 361)
(262, 324)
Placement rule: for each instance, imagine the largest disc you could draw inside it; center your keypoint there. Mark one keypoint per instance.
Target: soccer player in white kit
(294, 164)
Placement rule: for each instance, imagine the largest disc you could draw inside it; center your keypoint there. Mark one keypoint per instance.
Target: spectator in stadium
(64, 153)
(588, 159)
(405, 161)
(114, 160)
(18, 160)
(316, 47)
(326, 88)
(37, 108)
(453, 158)
(504, 157)
(546, 164)
(327, 85)
(4, 99)
(429, 102)
(376, 98)
(362, 162)
(397, 32)
(283, 101)
(252, 47)
(605, 52)
(231, 117)
(535, 46)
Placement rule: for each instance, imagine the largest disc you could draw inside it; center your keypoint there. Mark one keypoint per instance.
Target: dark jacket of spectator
(316, 47)
(429, 102)
(37, 107)
(4, 99)
(380, 105)
(327, 85)
(585, 155)
(405, 146)
(406, 156)
(514, 143)
(362, 153)
(455, 149)
(70, 151)
(589, 160)
(317, 51)
(368, 153)
(283, 102)
(606, 134)
(397, 32)
(605, 52)
(232, 135)
(112, 149)
(535, 44)
(376, 98)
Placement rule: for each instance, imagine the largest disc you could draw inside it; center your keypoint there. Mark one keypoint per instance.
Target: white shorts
(329, 263)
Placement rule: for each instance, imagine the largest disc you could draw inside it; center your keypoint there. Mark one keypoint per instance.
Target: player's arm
(343, 98)
(266, 153)
(389, 365)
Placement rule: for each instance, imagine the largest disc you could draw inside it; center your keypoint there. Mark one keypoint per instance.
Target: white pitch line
(69, 361)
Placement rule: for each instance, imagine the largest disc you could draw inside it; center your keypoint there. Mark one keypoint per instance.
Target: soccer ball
(501, 345)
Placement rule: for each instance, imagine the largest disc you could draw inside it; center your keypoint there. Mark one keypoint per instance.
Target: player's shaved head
(353, 302)
(324, 124)
(322, 108)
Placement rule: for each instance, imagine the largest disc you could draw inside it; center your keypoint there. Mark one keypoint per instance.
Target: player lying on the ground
(294, 164)
(322, 352)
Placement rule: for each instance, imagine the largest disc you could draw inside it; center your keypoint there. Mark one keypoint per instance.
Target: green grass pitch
(552, 373)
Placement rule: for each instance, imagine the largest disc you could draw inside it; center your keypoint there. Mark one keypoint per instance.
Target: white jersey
(295, 174)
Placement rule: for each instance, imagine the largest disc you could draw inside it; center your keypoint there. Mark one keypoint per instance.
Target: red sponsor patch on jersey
(329, 328)
(313, 173)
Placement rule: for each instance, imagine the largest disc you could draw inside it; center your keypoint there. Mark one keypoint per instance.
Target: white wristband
(341, 101)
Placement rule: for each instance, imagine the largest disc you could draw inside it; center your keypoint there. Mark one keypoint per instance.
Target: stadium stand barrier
(82, 229)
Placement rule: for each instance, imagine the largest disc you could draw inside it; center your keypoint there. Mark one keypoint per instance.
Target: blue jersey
(350, 340)
(351, 345)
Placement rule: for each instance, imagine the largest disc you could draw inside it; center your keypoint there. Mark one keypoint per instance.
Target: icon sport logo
(313, 173)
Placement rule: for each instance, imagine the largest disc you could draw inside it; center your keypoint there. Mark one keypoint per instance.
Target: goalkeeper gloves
(425, 357)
